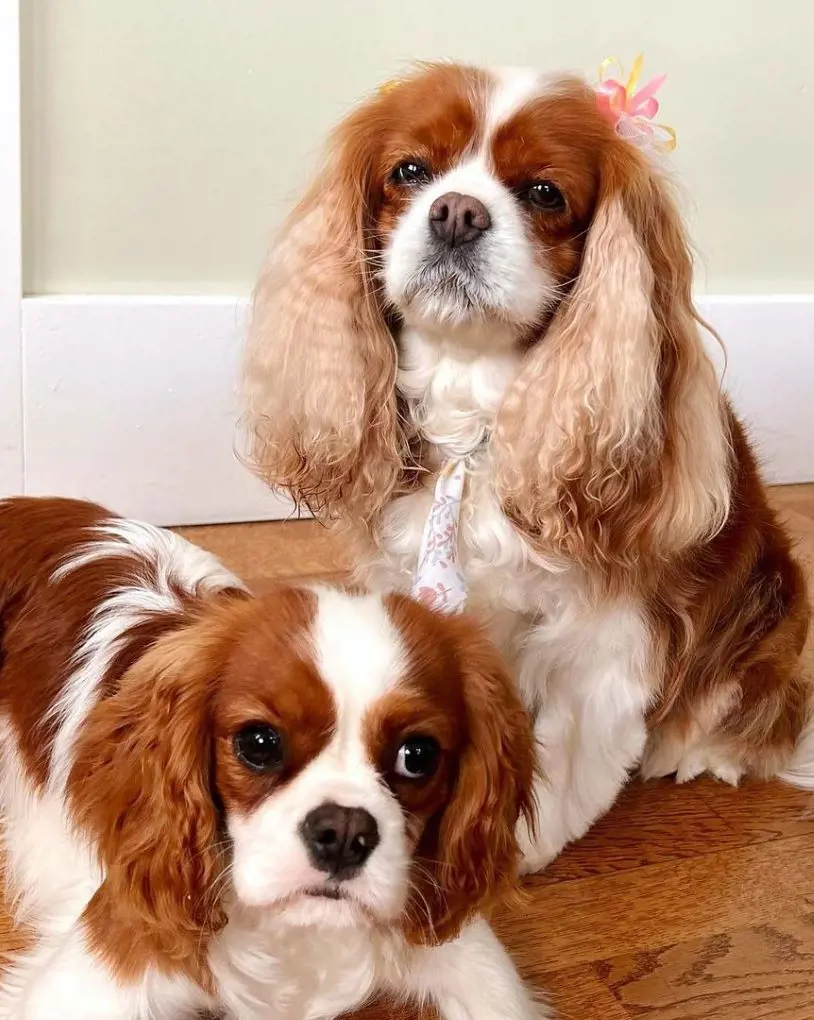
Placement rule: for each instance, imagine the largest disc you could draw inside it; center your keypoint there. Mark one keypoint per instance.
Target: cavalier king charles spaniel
(486, 273)
(266, 807)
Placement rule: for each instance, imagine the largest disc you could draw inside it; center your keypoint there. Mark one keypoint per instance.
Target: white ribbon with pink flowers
(439, 582)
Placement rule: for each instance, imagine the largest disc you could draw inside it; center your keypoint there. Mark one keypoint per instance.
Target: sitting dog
(479, 321)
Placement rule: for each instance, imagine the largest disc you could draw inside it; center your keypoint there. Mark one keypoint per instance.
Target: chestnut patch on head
(549, 154)
(426, 125)
(413, 740)
(414, 735)
(273, 713)
(192, 731)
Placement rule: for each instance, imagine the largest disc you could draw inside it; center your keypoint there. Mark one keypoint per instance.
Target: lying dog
(271, 806)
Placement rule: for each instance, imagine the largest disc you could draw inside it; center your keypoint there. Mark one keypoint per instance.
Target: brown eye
(546, 196)
(259, 747)
(417, 758)
(410, 173)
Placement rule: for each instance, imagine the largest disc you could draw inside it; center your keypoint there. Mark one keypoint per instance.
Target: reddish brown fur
(737, 610)
(566, 153)
(293, 698)
(731, 609)
(154, 770)
(41, 623)
(439, 114)
(610, 528)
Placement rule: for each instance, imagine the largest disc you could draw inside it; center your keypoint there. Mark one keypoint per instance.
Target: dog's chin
(324, 908)
(460, 308)
(444, 300)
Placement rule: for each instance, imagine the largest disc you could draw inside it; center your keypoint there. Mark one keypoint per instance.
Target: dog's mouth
(326, 892)
(442, 281)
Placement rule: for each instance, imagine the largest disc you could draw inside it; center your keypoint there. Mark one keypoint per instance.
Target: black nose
(339, 839)
(458, 219)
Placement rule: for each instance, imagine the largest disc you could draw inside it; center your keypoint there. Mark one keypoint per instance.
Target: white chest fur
(453, 392)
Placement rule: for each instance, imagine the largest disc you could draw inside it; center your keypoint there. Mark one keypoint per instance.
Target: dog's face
(321, 759)
(337, 743)
(352, 760)
(484, 188)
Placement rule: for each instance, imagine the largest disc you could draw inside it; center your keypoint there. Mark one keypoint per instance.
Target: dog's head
(312, 758)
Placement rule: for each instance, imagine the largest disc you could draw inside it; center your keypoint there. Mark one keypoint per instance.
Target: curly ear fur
(469, 857)
(613, 448)
(320, 363)
(143, 770)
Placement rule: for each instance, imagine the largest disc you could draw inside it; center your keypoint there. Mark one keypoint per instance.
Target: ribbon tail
(635, 74)
(649, 90)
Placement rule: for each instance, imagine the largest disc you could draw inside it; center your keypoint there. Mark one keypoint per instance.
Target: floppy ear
(141, 785)
(320, 362)
(613, 445)
(469, 857)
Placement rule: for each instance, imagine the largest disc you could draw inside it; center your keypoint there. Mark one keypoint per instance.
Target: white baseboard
(770, 376)
(131, 401)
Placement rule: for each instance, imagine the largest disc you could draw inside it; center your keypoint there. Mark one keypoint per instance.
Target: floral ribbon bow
(631, 109)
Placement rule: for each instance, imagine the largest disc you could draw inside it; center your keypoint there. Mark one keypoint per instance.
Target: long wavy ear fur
(469, 857)
(613, 447)
(320, 363)
(142, 776)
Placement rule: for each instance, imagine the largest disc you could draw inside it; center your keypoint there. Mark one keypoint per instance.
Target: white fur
(800, 771)
(583, 671)
(500, 277)
(515, 86)
(689, 751)
(282, 955)
(471, 978)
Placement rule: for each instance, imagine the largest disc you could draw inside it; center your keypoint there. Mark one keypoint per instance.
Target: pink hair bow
(631, 109)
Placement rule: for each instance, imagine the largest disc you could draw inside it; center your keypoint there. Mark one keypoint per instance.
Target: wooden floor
(685, 903)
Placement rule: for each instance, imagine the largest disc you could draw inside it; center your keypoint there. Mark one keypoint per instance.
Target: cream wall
(163, 139)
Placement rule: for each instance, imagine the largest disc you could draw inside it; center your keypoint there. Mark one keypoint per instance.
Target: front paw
(536, 853)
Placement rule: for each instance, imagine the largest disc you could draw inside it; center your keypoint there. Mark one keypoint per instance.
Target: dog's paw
(536, 854)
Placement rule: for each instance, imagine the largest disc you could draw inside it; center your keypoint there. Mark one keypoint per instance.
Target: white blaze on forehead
(513, 88)
(358, 651)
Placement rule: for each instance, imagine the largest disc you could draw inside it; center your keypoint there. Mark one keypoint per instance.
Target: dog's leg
(590, 726)
(473, 978)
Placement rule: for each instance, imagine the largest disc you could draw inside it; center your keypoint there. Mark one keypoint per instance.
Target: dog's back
(35, 534)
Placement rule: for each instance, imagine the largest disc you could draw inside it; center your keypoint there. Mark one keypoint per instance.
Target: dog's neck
(454, 383)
